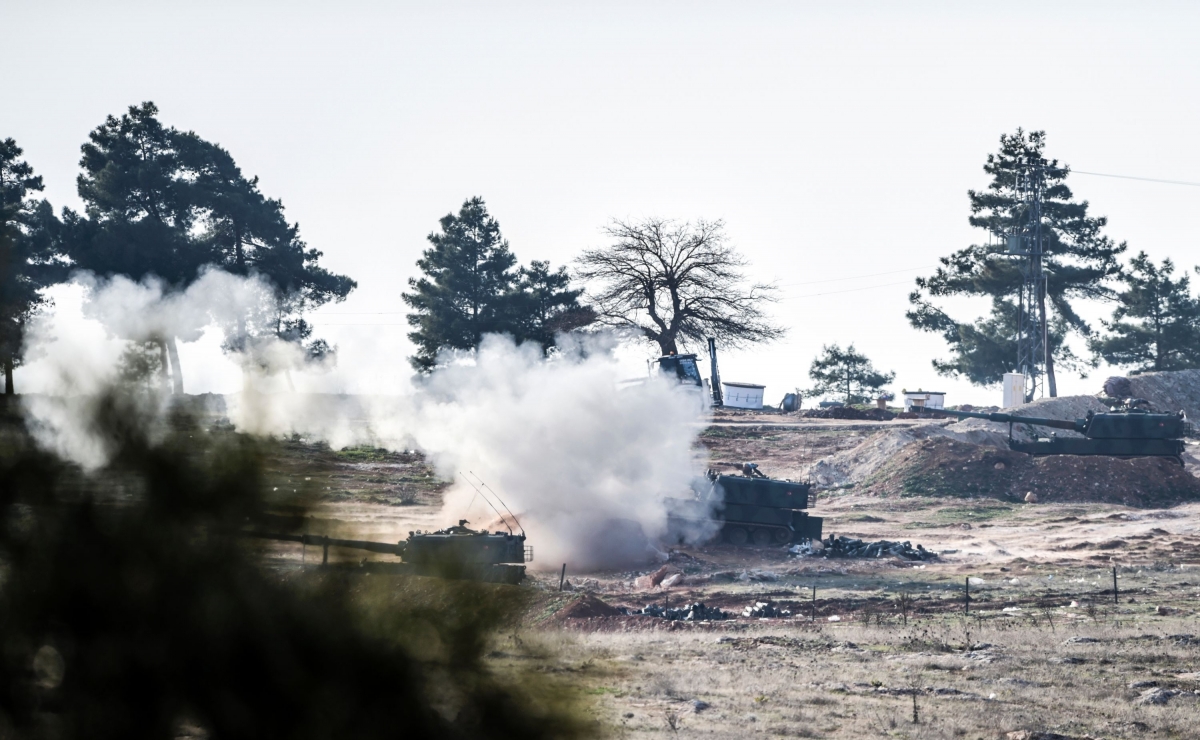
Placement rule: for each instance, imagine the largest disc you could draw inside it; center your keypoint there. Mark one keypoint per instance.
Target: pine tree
(165, 204)
(247, 234)
(468, 285)
(846, 373)
(29, 260)
(1156, 324)
(1079, 263)
(141, 209)
(472, 286)
(547, 305)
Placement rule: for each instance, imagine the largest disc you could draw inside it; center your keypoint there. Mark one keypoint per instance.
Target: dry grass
(851, 680)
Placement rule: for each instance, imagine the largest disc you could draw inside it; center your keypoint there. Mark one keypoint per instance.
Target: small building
(1014, 390)
(925, 399)
(742, 395)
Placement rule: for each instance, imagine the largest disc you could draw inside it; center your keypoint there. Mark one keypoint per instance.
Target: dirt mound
(868, 459)
(877, 451)
(1170, 391)
(1144, 482)
(941, 466)
(586, 606)
(849, 413)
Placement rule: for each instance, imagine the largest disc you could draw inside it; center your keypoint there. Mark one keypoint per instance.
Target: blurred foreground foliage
(130, 608)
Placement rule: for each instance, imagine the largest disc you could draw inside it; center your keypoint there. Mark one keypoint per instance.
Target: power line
(1143, 179)
(847, 290)
(785, 285)
(856, 277)
(786, 298)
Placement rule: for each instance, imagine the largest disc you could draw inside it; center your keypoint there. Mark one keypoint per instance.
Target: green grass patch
(363, 454)
(982, 512)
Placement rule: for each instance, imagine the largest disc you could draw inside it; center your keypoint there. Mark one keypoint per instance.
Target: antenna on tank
(510, 511)
(480, 493)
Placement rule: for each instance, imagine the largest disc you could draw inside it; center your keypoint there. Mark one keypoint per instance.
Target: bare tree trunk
(164, 370)
(8, 379)
(1051, 384)
(176, 373)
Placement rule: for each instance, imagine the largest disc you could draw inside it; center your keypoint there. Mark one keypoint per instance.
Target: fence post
(562, 577)
(813, 618)
(967, 599)
(1116, 598)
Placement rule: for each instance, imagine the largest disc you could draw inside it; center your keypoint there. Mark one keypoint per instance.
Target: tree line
(671, 284)
(1154, 321)
(158, 203)
(167, 204)
(1155, 317)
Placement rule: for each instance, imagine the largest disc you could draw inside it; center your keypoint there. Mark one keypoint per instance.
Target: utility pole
(1027, 242)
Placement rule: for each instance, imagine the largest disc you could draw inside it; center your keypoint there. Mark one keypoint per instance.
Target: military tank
(1134, 432)
(747, 509)
(456, 552)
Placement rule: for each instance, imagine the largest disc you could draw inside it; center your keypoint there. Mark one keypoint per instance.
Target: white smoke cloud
(584, 462)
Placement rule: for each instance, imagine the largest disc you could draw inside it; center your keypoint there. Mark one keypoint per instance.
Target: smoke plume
(582, 459)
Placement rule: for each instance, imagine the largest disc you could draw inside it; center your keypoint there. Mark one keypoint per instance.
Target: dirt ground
(886, 648)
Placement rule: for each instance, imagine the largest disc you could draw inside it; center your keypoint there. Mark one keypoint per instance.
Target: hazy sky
(836, 140)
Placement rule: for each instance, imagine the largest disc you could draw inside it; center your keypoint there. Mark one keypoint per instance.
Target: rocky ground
(888, 647)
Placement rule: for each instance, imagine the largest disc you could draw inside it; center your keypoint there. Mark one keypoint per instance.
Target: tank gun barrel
(1074, 425)
(319, 540)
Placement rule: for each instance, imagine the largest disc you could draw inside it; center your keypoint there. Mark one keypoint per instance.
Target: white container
(742, 395)
(924, 399)
(1014, 390)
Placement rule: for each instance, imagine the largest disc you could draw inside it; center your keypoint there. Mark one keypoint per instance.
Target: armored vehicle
(455, 552)
(487, 556)
(1133, 433)
(748, 509)
(681, 367)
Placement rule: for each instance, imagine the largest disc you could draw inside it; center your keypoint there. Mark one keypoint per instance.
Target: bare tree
(675, 284)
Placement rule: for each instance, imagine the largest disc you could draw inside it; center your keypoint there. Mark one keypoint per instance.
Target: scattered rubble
(672, 580)
(582, 584)
(1156, 696)
(765, 610)
(848, 547)
(655, 579)
(697, 612)
(757, 575)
